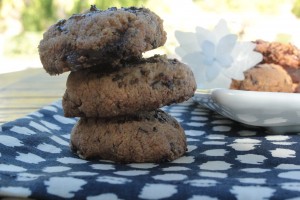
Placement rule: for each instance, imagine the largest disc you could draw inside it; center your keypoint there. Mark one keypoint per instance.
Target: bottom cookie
(147, 137)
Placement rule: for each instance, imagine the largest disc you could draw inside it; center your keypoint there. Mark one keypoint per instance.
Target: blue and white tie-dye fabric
(225, 160)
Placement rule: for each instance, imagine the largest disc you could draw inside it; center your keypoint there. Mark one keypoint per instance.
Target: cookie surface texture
(147, 137)
(99, 37)
(144, 86)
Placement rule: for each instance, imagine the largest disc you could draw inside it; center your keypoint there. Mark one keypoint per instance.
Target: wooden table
(27, 91)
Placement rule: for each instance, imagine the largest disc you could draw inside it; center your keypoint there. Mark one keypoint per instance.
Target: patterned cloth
(225, 160)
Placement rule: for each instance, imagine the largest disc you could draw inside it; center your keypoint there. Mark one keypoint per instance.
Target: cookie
(100, 37)
(265, 77)
(147, 137)
(285, 55)
(141, 86)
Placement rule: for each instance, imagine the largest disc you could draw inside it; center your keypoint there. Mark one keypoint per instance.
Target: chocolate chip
(155, 84)
(164, 159)
(133, 9)
(174, 61)
(155, 44)
(59, 25)
(253, 80)
(143, 130)
(121, 84)
(134, 81)
(160, 117)
(169, 84)
(117, 77)
(145, 72)
(112, 9)
(93, 8)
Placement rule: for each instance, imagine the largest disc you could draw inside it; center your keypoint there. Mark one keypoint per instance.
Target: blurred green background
(22, 22)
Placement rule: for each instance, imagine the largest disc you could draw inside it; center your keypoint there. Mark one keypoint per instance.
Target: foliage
(266, 6)
(37, 15)
(23, 44)
(296, 8)
(79, 5)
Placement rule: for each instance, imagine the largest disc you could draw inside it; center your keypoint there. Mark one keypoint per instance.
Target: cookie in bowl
(265, 77)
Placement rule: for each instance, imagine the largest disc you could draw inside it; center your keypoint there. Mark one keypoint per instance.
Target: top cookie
(98, 38)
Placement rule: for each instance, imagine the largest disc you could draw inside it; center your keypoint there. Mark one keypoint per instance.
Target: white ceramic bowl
(280, 112)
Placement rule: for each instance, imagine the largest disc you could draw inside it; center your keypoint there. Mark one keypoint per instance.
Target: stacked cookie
(114, 90)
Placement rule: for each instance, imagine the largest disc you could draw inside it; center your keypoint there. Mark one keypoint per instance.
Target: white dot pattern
(225, 160)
